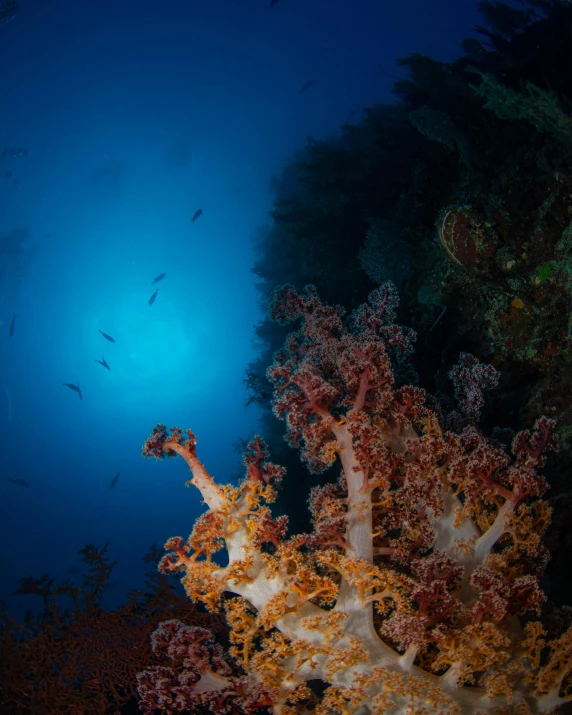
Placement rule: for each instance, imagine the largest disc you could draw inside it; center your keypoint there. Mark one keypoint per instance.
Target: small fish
(114, 481)
(102, 362)
(306, 86)
(273, 2)
(198, 213)
(152, 298)
(159, 278)
(75, 388)
(12, 325)
(107, 337)
(19, 482)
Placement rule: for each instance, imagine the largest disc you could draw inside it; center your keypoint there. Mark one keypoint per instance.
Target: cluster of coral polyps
(416, 591)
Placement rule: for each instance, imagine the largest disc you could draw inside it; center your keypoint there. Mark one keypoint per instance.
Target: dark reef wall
(461, 193)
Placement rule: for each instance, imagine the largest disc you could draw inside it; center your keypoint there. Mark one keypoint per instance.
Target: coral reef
(83, 659)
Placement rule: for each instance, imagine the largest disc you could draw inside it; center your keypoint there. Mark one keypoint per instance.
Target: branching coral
(407, 596)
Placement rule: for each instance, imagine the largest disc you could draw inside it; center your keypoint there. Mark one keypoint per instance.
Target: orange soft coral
(406, 596)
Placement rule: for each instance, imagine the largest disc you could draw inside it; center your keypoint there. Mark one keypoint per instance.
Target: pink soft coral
(406, 596)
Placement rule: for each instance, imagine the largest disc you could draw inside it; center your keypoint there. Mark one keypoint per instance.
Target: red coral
(405, 595)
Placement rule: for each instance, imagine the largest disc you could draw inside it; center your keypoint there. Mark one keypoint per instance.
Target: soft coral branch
(405, 597)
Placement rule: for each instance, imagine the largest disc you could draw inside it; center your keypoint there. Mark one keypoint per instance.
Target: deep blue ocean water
(119, 120)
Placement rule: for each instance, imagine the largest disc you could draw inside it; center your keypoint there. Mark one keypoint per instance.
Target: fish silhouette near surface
(114, 481)
(158, 278)
(198, 212)
(152, 298)
(19, 482)
(107, 337)
(75, 388)
(102, 362)
(12, 325)
(306, 86)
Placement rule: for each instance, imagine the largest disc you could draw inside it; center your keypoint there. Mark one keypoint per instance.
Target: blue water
(134, 115)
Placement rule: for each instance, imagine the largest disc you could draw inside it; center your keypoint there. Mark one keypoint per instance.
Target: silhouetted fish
(306, 86)
(114, 481)
(273, 2)
(152, 298)
(19, 482)
(75, 388)
(102, 362)
(198, 213)
(159, 278)
(107, 337)
(12, 325)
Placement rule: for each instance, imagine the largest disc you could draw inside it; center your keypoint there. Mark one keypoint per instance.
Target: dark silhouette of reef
(459, 192)
(8, 10)
(78, 658)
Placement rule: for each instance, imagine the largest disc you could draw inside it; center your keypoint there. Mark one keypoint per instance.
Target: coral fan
(416, 590)
(83, 660)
